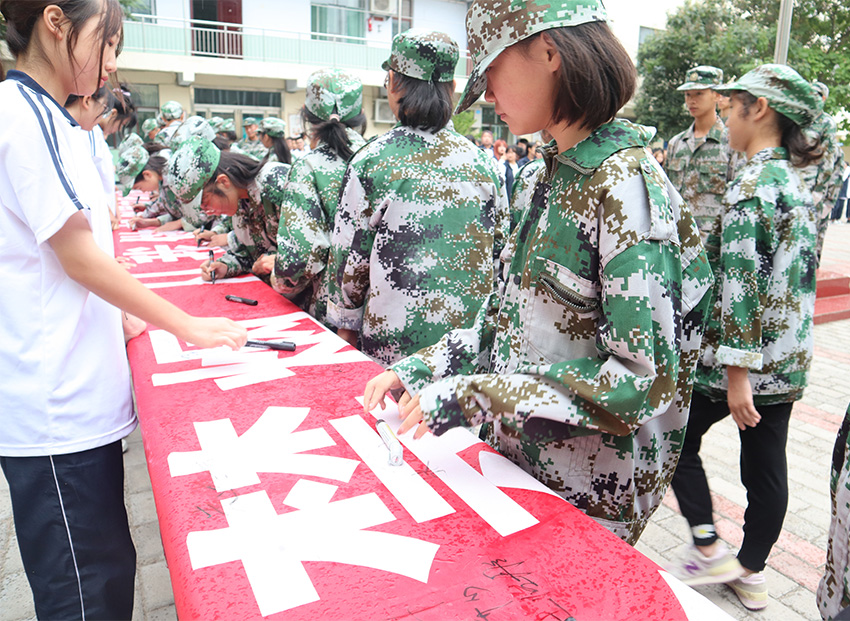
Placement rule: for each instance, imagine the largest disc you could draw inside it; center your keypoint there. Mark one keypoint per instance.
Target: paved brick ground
(794, 567)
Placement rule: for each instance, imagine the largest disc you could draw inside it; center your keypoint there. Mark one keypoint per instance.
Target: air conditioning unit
(383, 112)
(383, 7)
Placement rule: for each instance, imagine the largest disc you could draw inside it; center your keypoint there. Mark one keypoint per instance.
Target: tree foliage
(738, 35)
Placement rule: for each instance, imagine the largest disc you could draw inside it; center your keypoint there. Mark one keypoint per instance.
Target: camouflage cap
(229, 125)
(822, 89)
(171, 110)
(273, 127)
(785, 90)
(249, 120)
(215, 122)
(132, 140)
(423, 54)
(702, 77)
(494, 25)
(334, 91)
(149, 125)
(191, 167)
(131, 162)
(193, 126)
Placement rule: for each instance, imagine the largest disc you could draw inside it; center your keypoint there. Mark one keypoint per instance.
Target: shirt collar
(603, 142)
(23, 78)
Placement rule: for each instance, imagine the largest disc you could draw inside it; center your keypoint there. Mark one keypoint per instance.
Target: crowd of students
(579, 317)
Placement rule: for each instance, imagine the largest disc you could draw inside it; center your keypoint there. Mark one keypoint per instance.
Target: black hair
(221, 142)
(597, 76)
(333, 133)
(801, 150)
(424, 105)
(280, 150)
(21, 18)
(239, 168)
(229, 135)
(102, 95)
(156, 163)
(121, 100)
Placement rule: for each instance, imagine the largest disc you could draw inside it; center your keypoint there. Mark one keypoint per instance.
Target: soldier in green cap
(332, 111)
(758, 344)
(171, 114)
(150, 128)
(699, 161)
(272, 133)
(423, 215)
(231, 184)
(251, 145)
(824, 178)
(582, 363)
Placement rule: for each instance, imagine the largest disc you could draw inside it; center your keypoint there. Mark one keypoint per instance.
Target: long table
(276, 499)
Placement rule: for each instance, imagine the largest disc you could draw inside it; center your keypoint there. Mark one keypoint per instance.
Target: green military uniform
(523, 188)
(700, 168)
(584, 361)
(762, 254)
(423, 216)
(311, 196)
(256, 219)
(272, 127)
(252, 148)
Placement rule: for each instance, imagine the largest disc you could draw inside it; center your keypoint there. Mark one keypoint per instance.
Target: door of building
(217, 28)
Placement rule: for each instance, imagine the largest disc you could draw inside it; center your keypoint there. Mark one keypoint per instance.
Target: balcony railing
(161, 35)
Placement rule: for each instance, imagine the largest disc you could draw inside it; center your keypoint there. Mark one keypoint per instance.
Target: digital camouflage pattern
(421, 221)
(149, 125)
(131, 161)
(252, 148)
(762, 251)
(824, 177)
(229, 125)
(523, 188)
(821, 89)
(424, 55)
(833, 593)
(307, 213)
(584, 363)
(191, 167)
(700, 169)
(192, 126)
(272, 127)
(132, 140)
(170, 111)
(256, 220)
(248, 121)
(493, 25)
(216, 122)
(702, 77)
(165, 135)
(334, 91)
(785, 90)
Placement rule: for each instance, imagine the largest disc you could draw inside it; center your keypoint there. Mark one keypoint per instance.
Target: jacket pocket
(563, 315)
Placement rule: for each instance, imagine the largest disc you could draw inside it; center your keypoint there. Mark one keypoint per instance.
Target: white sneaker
(124, 445)
(751, 590)
(695, 568)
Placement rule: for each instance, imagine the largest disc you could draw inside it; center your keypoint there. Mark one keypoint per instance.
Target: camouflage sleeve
(303, 237)
(351, 245)
(744, 274)
(223, 225)
(164, 218)
(634, 379)
(836, 178)
(239, 257)
(460, 352)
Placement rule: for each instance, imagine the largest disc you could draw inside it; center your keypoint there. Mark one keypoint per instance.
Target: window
(490, 121)
(143, 7)
(146, 98)
(237, 99)
(345, 18)
(646, 33)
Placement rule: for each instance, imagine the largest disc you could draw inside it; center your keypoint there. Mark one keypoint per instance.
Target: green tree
(463, 122)
(738, 35)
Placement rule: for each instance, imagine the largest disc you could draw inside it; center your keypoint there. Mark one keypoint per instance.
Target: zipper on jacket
(566, 297)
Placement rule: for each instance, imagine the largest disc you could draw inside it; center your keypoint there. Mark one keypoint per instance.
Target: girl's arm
(84, 262)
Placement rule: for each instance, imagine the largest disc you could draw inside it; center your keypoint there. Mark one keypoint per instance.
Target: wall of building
(447, 16)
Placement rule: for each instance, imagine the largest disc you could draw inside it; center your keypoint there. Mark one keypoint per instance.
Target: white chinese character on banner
(272, 444)
(166, 253)
(273, 547)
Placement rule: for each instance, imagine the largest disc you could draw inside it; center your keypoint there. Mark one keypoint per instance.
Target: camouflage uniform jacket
(584, 363)
(523, 189)
(307, 214)
(833, 593)
(256, 220)
(165, 207)
(700, 168)
(252, 148)
(422, 219)
(824, 178)
(762, 252)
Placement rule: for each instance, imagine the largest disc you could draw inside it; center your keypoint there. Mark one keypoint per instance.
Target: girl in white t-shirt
(64, 386)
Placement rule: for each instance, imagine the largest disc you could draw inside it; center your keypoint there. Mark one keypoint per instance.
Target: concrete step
(832, 308)
(832, 283)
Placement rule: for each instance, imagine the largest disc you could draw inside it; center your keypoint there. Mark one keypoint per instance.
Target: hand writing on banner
(217, 267)
(264, 265)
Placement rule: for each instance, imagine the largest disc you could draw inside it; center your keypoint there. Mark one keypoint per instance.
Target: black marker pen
(212, 271)
(281, 345)
(236, 298)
